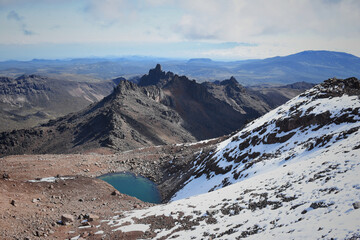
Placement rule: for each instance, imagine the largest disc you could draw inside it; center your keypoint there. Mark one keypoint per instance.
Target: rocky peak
(155, 77)
(232, 85)
(334, 87)
(157, 68)
(231, 81)
(124, 86)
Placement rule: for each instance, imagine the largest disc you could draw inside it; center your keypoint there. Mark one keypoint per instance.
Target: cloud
(110, 11)
(16, 3)
(12, 15)
(268, 28)
(26, 31)
(234, 20)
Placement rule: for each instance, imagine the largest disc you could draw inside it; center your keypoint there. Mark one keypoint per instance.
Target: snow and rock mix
(292, 173)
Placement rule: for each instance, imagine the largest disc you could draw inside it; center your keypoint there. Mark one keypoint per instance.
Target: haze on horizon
(223, 30)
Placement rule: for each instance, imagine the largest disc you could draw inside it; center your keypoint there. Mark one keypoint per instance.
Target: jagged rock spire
(155, 77)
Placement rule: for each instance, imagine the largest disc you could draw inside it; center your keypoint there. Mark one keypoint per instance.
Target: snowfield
(291, 174)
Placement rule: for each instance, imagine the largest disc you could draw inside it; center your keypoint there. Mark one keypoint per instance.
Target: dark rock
(6, 176)
(115, 193)
(67, 219)
(155, 77)
(356, 205)
(13, 203)
(316, 205)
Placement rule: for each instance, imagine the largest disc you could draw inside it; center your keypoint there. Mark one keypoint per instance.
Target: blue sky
(218, 29)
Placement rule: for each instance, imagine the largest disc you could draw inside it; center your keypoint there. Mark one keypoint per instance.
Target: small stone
(35, 200)
(67, 219)
(212, 212)
(356, 205)
(115, 193)
(51, 186)
(85, 222)
(91, 217)
(6, 176)
(13, 203)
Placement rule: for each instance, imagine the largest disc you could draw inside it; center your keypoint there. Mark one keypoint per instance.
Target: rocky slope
(28, 100)
(163, 108)
(275, 96)
(44, 187)
(292, 173)
(129, 118)
(237, 96)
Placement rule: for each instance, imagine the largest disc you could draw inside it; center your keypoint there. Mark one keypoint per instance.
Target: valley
(294, 166)
(194, 120)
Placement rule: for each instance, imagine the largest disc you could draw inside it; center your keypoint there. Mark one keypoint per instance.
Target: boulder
(356, 205)
(91, 217)
(67, 219)
(115, 193)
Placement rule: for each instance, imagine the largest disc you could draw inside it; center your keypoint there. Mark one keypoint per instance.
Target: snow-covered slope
(303, 128)
(292, 173)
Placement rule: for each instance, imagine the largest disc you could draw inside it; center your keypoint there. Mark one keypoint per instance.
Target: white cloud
(111, 11)
(276, 27)
(14, 16)
(234, 20)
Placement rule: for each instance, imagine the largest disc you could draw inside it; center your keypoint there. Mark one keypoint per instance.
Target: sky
(217, 29)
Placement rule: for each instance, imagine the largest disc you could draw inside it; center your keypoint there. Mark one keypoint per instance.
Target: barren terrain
(32, 209)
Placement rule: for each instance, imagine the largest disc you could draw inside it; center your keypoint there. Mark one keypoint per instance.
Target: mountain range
(308, 66)
(292, 173)
(163, 108)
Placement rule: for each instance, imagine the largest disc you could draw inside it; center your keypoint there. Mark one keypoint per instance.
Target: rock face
(156, 77)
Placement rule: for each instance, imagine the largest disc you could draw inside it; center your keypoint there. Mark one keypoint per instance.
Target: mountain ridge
(30, 99)
(163, 108)
(291, 173)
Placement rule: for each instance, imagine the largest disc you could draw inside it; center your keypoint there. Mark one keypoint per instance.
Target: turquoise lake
(136, 186)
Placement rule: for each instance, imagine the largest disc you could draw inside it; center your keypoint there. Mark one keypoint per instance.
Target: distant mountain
(308, 66)
(28, 100)
(163, 108)
(292, 174)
